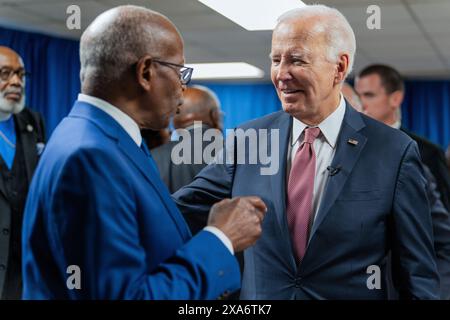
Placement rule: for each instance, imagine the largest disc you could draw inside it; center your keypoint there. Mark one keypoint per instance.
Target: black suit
(176, 176)
(434, 158)
(14, 182)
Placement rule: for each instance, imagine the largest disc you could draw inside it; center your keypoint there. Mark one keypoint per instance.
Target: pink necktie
(300, 193)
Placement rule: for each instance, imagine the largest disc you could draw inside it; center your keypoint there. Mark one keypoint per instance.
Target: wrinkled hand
(240, 219)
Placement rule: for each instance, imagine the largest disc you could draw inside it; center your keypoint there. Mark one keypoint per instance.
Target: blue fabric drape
(54, 84)
(54, 65)
(426, 109)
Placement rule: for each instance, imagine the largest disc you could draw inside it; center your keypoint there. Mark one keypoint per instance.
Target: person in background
(199, 112)
(381, 90)
(22, 138)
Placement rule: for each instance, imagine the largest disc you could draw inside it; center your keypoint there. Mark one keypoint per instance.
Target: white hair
(339, 34)
(116, 40)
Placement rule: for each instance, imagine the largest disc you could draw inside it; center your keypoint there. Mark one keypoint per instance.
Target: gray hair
(116, 40)
(339, 34)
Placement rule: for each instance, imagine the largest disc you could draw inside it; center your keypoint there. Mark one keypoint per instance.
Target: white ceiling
(414, 35)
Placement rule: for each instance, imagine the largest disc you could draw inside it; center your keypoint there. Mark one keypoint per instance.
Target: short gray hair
(116, 40)
(339, 34)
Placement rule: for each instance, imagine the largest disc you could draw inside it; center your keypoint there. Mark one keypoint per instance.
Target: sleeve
(442, 176)
(94, 225)
(441, 231)
(211, 185)
(413, 253)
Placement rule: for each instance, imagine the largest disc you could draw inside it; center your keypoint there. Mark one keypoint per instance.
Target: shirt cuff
(222, 237)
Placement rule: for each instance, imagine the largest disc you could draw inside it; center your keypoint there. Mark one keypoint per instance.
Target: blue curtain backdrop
(54, 84)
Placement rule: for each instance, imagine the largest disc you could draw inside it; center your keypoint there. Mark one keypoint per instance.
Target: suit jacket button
(5, 231)
(221, 273)
(298, 282)
(2, 267)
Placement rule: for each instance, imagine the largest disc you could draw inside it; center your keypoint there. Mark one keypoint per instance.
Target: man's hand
(240, 219)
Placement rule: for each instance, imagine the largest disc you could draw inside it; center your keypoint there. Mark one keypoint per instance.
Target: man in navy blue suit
(349, 191)
(99, 223)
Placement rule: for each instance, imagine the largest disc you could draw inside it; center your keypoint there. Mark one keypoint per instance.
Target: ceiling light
(253, 14)
(225, 70)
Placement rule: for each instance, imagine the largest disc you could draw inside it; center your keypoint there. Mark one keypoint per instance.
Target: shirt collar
(124, 120)
(396, 125)
(329, 127)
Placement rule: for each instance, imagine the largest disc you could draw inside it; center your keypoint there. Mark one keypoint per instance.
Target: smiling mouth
(291, 92)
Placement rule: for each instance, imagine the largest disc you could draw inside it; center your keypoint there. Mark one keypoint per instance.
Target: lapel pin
(29, 128)
(352, 142)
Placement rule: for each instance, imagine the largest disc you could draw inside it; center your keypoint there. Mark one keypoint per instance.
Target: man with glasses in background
(99, 222)
(22, 138)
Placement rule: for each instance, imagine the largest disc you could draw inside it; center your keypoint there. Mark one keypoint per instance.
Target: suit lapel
(2, 184)
(135, 155)
(142, 162)
(278, 181)
(26, 132)
(346, 156)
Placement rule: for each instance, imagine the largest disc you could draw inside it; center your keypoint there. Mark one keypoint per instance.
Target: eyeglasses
(185, 72)
(6, 74)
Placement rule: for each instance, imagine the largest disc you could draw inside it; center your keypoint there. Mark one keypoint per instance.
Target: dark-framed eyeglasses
(185, 72)
(7, 73)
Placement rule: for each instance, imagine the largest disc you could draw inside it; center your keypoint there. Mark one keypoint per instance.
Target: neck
(117, 101)
(328, 106)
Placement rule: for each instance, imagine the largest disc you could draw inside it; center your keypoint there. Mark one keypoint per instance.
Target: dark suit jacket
(441, 231)
(434, 158)
(96, 202)
(31, 131)
(176, 176)
(375, 204)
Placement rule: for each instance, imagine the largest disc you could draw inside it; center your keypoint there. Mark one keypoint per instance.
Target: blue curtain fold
(426, 109)
(54, 85)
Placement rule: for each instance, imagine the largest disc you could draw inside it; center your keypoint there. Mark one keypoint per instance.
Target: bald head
(9, 53)
(119, 37)
(199, 104)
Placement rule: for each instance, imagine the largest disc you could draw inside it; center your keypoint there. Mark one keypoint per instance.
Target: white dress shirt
(324, 147)
(132, 128)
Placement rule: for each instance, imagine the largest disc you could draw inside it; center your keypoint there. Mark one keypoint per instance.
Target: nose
(282, 72)
(15, 80)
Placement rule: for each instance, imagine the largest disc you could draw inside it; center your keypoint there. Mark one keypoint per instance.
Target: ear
(396, 98)
(341, 68)
(144, 72)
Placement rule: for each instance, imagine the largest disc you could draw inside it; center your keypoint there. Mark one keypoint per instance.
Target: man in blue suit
(349, 191)
(99, 223)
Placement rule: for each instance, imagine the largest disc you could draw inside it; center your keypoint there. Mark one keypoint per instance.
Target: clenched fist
(240, 219)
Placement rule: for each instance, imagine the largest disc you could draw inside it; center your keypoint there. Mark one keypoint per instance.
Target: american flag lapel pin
(352, 142)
